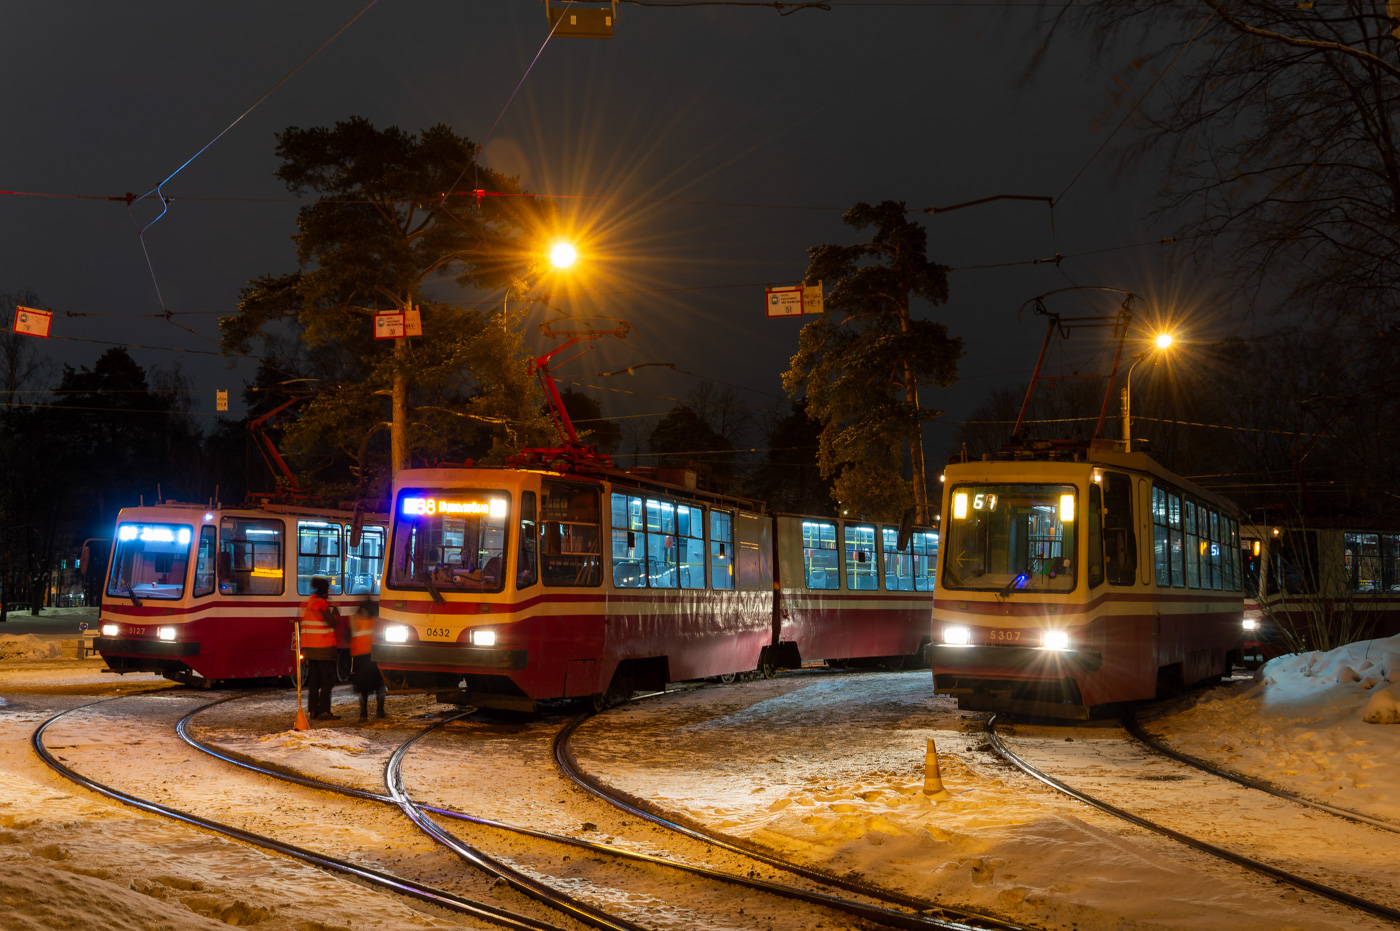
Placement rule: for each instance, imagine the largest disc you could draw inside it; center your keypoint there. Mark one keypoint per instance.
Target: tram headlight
(109, 630)
(1055, 640)
(959, 636)
(165, 633)
(482, 638)
(396, 633)
(1251, 624)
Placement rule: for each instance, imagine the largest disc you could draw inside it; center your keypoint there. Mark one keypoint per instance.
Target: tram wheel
(727, 678)
(894, 663)
(766, 667)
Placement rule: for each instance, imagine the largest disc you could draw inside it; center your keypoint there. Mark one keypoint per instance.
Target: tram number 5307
(1004, 636)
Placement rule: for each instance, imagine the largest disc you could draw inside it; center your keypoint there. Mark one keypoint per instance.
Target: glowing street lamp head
(1164, 340)
(562, 255)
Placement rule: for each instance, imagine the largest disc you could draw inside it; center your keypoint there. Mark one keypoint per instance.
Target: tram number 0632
(1003, 636)
(442, 632)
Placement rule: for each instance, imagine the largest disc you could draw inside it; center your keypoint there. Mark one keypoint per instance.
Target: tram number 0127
(1003, 636)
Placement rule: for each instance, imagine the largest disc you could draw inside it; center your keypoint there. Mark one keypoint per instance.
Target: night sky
(670, 137)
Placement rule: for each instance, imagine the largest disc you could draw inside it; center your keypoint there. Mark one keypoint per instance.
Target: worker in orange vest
(366, 675)
(319, 620)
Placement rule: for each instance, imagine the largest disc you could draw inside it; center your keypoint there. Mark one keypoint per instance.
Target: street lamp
(561, 256)
(1161, 343)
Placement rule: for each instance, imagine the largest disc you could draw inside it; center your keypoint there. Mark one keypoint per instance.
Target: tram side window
(1161, 538)
(318, 554)
(925, 546)
(250, 556)
(1232, 554)
(1176, 540)
(820, 563)
(690, 545)
(860, 558)
(1213, 550)
(721, 550)
(661, 543)
(899, 564)
(570, 540)
(1094, 517)
(628, 542)
(527, 571)
(1119, 540)
(364, 564)
(205, 560)
(1293, 566)
(1192, 539)
(1362, 552)
(1390, 561)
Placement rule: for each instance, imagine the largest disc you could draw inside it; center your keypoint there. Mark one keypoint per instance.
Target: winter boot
(364, 707)
(379, 702)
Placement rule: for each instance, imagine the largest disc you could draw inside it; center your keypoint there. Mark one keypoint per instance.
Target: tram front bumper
(1020, 662)
(163, 649)
(444, 655)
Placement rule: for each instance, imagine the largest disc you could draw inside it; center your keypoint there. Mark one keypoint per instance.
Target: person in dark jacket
(319, 620)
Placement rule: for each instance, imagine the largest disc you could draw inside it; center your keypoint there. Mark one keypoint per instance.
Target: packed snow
(828, 769)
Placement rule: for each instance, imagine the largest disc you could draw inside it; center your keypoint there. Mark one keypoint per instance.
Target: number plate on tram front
(1000, 635)
(439, 633)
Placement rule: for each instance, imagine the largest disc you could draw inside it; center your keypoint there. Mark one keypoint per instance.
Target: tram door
(1119, 539)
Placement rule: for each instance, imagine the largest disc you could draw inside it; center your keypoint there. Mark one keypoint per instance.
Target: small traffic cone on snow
(302, 724)
(933, 780)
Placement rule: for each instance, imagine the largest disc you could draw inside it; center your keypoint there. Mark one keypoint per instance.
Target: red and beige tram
(507, 587)
(204, 594)
(1075, 579)
(1319, 583)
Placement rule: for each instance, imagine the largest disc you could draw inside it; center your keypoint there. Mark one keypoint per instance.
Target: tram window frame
(1356, 558)
(527, 566)
(721, 549)
(862, 574)
(1093, 516)
(460, 553)
(362, 555)
(899, 564)
(1293, 563)
(266, 556)
(816, 540)
(690, 546)
(1191, 542)
(1120, 538)
(570, 522)
(131, 557)
(206, 561)
(924, 546)
(1217, 578)
(1390, 561)
(1161, 537)
(321, 532)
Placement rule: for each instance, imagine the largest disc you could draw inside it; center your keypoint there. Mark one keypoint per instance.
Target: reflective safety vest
(361, 633)
(316, 630)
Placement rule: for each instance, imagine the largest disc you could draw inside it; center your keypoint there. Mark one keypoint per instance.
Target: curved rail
(1131, 725)
(877, 915)
(952, 917)
(1327, 892)
(387, 881)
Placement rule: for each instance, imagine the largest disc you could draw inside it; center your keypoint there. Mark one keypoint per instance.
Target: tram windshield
(1010, 538)
(450, 540)
(150, 561)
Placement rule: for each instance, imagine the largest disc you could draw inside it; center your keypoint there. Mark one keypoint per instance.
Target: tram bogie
(204, 594)
(1070, 585)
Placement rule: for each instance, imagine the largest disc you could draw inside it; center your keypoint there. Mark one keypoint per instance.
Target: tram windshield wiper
(132, 595)
(1015, 584)
(432, 589)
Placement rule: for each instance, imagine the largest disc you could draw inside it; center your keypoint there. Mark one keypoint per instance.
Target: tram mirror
(906, 529)
(83, 559)
(357, 526)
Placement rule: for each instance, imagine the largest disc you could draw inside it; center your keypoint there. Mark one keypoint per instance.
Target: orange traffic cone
(302, 724)
(933, 779)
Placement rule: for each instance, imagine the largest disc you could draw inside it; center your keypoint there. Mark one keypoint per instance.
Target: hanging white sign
(32, 322)
(784, 302)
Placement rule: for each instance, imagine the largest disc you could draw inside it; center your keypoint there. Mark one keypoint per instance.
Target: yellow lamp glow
(563, 255)
(1164, 340)
(1066, 508)
(960, 505)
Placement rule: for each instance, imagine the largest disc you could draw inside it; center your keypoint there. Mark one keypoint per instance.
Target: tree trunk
(916, 435)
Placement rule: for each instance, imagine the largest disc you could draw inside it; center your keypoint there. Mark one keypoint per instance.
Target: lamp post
(1162, 342)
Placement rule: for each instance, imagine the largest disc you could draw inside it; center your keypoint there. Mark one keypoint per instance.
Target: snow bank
(29, 647)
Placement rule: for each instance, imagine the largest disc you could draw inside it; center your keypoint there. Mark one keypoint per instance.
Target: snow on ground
(826, 768)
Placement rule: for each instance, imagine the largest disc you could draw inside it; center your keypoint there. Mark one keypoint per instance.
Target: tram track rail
(953, 917)
(422, 816)
(1322, 890)
(377, 878)
(1134, 727)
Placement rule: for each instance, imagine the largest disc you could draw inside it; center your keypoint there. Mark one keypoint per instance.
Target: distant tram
(206, 594)
(1075, 579)
(508, 587)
